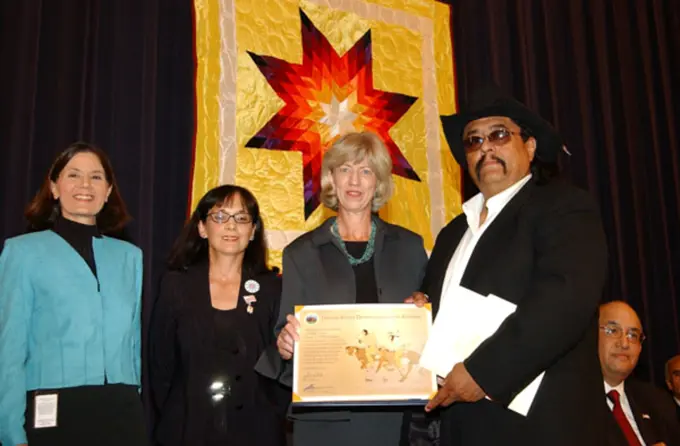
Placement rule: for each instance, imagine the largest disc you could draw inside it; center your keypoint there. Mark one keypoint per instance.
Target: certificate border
(359, 400)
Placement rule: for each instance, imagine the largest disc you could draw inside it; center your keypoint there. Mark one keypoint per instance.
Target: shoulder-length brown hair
(43, 209)
(190, 248)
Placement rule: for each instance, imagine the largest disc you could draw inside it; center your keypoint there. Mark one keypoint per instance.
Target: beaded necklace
(370, 246)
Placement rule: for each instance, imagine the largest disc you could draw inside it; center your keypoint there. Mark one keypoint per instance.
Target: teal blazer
(60, 326)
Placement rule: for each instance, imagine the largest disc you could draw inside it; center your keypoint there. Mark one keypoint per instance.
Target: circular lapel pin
(252, 286)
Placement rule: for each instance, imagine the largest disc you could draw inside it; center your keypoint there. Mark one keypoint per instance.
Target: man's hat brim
(489, 102)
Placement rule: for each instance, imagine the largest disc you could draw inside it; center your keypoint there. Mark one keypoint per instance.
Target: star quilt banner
(278, 81)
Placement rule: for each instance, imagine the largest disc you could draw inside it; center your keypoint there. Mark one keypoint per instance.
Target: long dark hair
(190, 248)
(44, 209)
(542, 172)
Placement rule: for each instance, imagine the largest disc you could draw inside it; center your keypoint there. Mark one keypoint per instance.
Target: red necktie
(620, 417)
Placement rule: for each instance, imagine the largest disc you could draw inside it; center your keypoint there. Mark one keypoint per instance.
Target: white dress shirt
(677, 401)
(472, 209)
(625, 406)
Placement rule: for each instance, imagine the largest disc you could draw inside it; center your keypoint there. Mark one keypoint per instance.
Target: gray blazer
(315, 271)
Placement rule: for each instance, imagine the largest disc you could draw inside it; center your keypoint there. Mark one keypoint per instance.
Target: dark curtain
(121, 74)
(606, 74)
(117, 73)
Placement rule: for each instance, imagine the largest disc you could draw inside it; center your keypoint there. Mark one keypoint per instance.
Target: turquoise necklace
(370, 246)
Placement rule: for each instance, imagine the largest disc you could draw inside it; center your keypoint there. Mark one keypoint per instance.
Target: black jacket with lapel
(183, 348)
(654, 416)
(316, 272)
(546, 253)
(319, 273)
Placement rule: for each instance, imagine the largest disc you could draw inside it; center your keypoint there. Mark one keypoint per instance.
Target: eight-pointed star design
(326, 96)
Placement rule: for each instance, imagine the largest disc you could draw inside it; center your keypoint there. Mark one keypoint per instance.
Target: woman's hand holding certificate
(285, 342)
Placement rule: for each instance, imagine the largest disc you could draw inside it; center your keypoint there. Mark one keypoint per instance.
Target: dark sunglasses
(497, 137)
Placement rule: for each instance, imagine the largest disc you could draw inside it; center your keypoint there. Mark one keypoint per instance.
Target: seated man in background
(673, 381)
(641, 413)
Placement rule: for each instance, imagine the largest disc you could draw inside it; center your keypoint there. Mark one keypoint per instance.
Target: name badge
(45, 410)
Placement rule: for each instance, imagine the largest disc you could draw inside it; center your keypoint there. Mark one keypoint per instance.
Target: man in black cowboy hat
(539, 244)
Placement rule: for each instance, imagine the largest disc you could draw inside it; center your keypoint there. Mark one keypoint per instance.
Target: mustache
(501, 161)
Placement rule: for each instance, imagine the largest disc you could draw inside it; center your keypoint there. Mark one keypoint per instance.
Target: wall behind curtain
(119, 74)
(606, 74)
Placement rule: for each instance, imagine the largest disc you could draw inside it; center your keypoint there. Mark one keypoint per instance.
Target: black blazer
(653, 412)
(546, 253)
(315, 271)
(185, 355)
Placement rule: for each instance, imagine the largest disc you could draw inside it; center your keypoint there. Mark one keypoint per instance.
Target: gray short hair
(355, 147)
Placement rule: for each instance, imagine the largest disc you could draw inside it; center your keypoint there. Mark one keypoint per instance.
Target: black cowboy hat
(491, 101)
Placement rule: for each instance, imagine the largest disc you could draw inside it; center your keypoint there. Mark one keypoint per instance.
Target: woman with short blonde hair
(353, 258)
(355, 148)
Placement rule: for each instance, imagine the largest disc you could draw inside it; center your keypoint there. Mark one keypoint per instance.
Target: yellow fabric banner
(279, 80)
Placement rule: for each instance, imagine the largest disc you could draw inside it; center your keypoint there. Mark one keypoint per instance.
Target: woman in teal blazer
(70, 314)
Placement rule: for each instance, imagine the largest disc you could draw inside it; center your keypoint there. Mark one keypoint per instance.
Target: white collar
(619, 388)
(677, 401)
(474, 206)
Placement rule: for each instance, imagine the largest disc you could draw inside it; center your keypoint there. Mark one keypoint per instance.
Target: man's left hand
(458, 386)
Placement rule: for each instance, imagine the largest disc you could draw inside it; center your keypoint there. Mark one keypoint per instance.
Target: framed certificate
(362, 355)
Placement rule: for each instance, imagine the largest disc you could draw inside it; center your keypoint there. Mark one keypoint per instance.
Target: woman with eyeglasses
(214, 316)
(70, 305)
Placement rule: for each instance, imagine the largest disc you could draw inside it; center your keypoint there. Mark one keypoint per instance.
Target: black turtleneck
(79, 236)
